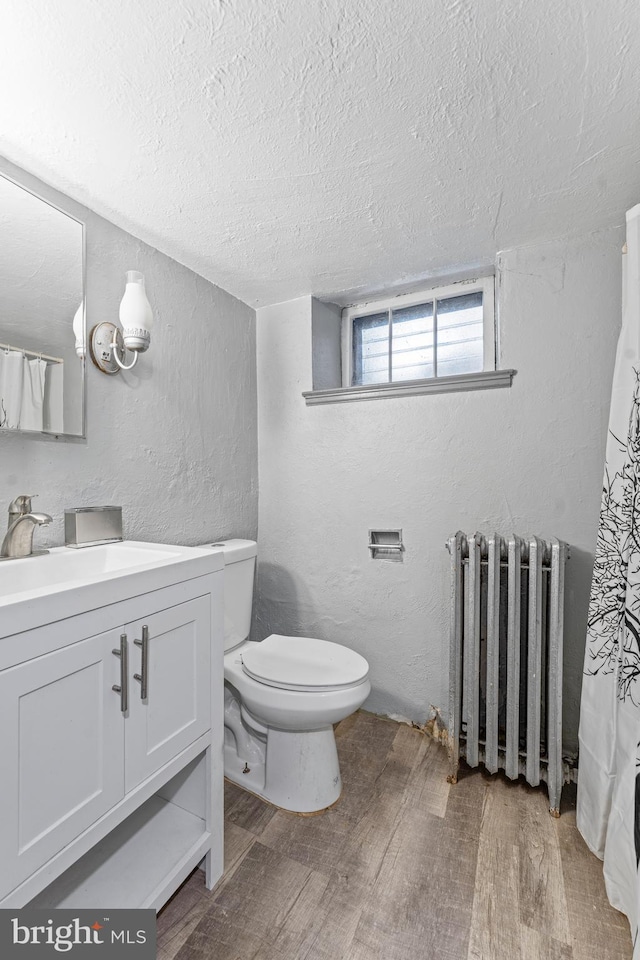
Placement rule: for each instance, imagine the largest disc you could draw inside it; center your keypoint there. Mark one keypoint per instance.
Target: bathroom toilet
(281, 699)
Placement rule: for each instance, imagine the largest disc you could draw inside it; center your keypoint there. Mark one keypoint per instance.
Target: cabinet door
(176, 708)
(61, 751)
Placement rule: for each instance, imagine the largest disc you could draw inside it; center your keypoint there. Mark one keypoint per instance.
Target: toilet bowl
(282, 697)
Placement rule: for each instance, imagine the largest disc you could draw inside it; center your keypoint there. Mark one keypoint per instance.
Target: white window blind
(438, 337)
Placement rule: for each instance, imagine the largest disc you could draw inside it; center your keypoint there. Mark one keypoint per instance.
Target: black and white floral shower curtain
(608, 784)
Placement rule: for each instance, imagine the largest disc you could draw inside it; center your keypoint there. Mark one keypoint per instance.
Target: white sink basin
(63, 564)
(37, 590)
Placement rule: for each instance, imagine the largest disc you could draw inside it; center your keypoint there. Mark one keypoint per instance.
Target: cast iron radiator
(505, 666)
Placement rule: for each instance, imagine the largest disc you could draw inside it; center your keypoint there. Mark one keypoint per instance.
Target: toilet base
(248, 774)
(301, 773)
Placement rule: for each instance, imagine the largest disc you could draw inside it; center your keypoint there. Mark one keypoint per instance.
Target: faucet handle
(21, 504)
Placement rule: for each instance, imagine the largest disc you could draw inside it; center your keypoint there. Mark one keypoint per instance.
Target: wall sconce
(107, 343)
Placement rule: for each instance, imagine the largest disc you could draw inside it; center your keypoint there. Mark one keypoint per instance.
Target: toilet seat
(303, 664)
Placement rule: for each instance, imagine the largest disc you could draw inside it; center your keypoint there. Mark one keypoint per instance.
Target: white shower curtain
(32, 394)
(11, 377)
(53, 409)
(22, 390)
(608, 785)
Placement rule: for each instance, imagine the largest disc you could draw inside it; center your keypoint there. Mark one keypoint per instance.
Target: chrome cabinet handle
(143, 676)
(122, 688)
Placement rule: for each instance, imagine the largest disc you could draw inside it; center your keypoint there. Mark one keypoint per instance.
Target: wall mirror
(41, 302)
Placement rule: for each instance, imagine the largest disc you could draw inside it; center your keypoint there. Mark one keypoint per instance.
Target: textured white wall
(174, 440)
(527, 459)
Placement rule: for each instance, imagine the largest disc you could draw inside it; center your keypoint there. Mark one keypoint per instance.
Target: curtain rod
(32, 353)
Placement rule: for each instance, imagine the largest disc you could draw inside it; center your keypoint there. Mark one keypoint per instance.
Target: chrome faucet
(18, 541)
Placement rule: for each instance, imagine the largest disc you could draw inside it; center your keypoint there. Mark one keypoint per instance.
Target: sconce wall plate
(100, 340)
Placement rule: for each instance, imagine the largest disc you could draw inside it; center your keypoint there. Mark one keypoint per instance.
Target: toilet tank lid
(235, 550)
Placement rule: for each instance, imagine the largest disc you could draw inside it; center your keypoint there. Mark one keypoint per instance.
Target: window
(444, 332)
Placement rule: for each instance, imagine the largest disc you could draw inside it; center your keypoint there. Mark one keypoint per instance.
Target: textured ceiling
(286, 147)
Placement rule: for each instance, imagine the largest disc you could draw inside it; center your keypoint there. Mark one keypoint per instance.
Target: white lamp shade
(79, 331)
(136, 317)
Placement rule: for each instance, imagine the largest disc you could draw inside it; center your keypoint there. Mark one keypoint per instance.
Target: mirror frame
(68, 207)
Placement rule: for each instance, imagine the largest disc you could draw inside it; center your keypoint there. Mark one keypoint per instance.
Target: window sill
(488, 379)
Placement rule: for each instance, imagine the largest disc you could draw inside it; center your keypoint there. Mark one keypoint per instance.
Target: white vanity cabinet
(111, 777)
(175, 710)
(61, 752)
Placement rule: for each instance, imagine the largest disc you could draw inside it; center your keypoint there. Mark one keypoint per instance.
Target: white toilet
(282, 697)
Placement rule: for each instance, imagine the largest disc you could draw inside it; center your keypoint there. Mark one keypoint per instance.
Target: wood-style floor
(404, 867)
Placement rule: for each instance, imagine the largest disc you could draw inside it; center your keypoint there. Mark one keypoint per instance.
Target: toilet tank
(239, 569)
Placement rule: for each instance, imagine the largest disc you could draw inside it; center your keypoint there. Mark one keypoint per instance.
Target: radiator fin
(493, 654)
